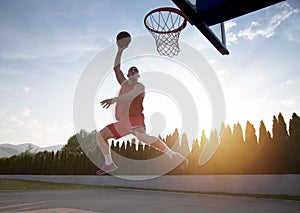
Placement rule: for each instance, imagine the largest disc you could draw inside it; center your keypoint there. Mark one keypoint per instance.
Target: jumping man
(129, 116)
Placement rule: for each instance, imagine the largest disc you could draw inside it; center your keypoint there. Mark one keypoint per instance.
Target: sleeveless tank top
(131, 108)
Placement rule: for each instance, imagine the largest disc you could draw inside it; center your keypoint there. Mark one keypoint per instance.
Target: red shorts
(123, 126)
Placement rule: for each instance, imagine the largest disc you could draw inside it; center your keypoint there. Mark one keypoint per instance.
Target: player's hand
(106, 103)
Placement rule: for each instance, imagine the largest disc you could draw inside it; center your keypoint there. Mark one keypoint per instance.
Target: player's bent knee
(145, 137)
(104, 134)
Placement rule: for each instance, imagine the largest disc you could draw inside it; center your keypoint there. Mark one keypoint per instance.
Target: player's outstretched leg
(141, 134)
(102, 138)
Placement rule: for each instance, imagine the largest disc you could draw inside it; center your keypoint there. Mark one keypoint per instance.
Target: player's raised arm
(123, 40)
(117, 66)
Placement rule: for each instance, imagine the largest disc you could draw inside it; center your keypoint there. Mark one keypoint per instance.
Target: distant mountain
(7, 150)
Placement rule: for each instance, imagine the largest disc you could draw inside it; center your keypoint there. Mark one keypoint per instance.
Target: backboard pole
(223, 34)
(204, 29)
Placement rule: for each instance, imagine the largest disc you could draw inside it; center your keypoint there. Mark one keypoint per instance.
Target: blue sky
(45, 46)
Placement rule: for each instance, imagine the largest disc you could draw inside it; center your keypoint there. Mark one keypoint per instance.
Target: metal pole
(223, 34)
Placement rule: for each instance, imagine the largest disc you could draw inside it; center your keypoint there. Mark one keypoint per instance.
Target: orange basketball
(123, 39)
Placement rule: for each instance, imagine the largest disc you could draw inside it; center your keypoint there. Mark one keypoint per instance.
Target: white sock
(170, 153)
(108, 159)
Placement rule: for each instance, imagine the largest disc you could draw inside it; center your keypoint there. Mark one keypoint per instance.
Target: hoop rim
(167, 9)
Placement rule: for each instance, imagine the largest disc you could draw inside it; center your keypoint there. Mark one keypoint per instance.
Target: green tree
(282, 130)
(237, 134)
(263, 135)
(294, 141)
(73, 145)
(226, 152)
(250, 135)
(184, 148)
(279, 145)
(294, 128)
(275, 128)
(173, 139)
(251, 149)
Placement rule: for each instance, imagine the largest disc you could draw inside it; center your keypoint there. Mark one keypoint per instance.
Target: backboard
(205, 13)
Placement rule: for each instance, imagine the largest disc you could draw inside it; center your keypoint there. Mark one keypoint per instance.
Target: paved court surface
(128, 200)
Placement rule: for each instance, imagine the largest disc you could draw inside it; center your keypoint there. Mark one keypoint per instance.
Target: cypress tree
(294, 141)
(263, 135)
(184, 148)
(282, 130)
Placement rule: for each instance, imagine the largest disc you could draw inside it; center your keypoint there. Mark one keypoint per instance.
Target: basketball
(123, 39)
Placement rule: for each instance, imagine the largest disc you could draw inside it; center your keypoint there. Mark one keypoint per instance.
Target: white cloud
(61, 50)
(293, 34)
(288, 82)
(230, 24)
(13, 55)
(264, 25)
(31, 129)
(16, 122)
(26, 112)
(254, 30)
(6, 131)
(268, 24)
(34, 124)
(27, 89)
(2, 112)
(289, 102)
(8, 71)
(231, 38)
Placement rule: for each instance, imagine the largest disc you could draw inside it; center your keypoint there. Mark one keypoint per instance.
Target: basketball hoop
(165, 24)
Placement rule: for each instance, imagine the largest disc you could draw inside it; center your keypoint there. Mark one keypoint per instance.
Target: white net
(165, 24)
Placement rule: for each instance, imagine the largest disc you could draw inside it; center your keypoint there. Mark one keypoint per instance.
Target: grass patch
(7, 184)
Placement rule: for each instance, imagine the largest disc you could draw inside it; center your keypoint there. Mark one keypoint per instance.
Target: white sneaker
(106, 168)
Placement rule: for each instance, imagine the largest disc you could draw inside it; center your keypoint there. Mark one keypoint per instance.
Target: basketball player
(130, 117)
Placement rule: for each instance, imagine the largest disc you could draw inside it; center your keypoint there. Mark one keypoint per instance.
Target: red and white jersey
(131, 108)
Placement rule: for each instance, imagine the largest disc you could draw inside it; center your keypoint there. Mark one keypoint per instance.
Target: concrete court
(128, 200)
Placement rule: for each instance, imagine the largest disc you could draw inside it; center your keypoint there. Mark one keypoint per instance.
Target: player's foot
(107, 168)
(180, 158)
